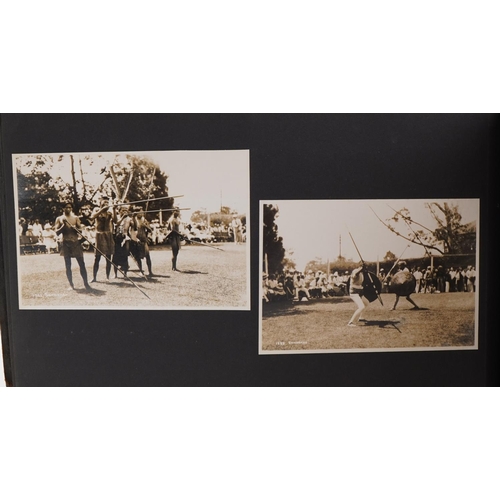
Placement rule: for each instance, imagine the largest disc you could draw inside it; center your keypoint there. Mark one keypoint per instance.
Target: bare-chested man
(68, 225)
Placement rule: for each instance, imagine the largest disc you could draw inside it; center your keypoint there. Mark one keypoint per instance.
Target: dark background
(302, 156)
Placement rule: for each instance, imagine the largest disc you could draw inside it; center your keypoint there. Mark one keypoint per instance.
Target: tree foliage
(128, 177)
(389, 256)
(449, 237)
(39, 195)
(272, 242)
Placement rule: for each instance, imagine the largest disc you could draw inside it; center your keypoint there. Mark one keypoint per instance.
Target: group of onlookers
(294, 285)
(37, 238)
(438, 279)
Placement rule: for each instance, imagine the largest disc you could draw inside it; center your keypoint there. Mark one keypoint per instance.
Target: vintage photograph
(368, 275)
(133, 230)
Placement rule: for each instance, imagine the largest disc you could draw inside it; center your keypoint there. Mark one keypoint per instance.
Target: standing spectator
(37, 230)
(447, 281)
(236, 228)
(418, 278)
(440, 275)
(453, 280)
(49, 237)
(471, 276)
(460, 280)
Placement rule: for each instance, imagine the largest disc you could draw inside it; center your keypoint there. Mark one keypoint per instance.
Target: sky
(312, 228)
(206, 179)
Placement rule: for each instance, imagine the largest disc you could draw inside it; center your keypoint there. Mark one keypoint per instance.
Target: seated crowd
(295, 286)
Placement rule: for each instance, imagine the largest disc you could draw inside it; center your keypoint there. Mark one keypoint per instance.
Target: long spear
(192, 241)
(163, 210)
(150, 199)
(396, 263)
(363, 262)
(111, 262)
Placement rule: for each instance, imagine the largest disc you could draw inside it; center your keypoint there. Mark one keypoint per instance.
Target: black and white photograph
(368, 275)
(133, 230)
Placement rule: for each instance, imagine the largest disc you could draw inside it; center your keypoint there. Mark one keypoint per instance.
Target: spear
(163, 210)
(396, 263)
(363, 262)
(97, 250)
(192, 241)
(150, 199)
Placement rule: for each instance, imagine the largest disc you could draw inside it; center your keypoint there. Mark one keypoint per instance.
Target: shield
(371, 286)
(403, 284)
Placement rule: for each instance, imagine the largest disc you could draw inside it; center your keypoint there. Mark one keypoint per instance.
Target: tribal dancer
(71, 247)
(175, 236)
(122, 241)
(139, 232)
(104, 217)
(356, 292)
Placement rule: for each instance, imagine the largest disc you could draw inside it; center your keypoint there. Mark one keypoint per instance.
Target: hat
(402, 263)
(335, 273)
(381, 269)
(137, 208)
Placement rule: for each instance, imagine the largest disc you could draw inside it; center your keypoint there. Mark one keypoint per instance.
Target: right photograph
(368, 275)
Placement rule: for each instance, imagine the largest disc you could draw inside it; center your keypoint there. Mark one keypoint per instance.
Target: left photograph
(133, 230)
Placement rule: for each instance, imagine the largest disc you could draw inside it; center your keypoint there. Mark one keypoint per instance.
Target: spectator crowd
(293, 285)
(38, 238)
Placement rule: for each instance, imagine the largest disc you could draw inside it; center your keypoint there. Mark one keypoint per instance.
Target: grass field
(444, 321)
(208, 279)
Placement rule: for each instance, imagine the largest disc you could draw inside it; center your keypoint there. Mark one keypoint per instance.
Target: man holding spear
(104, 217)
(71, 247)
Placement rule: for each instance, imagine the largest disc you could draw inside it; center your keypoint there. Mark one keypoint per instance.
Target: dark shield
(402, 284)
(371, 286)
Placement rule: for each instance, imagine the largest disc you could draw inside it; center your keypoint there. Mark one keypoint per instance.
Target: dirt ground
(208, 279)
(444, 320)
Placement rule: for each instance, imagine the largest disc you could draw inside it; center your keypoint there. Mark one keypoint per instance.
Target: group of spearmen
(122, 232)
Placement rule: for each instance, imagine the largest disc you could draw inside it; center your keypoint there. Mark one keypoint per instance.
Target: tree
(272, 242)
(451, 234)
(315, 265)
(39, 195)
(199, 217)
(122, 177)
(389, 256)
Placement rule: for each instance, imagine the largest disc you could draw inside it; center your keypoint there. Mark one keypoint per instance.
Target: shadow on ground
(380, 323)
(289, 308)
(94, 291)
